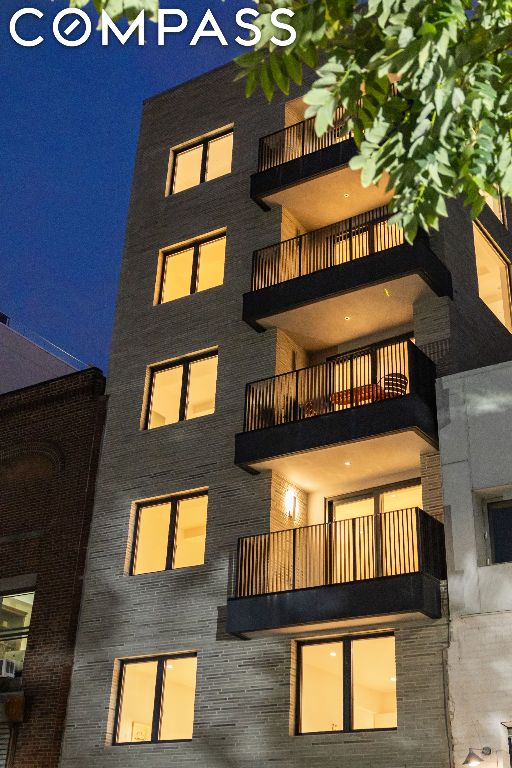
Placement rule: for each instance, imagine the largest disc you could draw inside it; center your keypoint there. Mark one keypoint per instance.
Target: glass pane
(15, 611)
(500, 527)
(220, 152)
(187, 168)
(177, 275)
(152, 538)
(374, 683)
(495, 204)
(347, 510)
(137, 702)
(201, 387)
(321, 688)
(493, 278)
(190, 532)
(177, 713)
(402, 498)
(165, 397)
(13, 648)
(211, 264)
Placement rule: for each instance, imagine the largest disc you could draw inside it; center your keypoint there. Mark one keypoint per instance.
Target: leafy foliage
(443, 131)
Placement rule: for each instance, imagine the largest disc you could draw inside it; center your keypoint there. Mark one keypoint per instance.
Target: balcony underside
(331, 606)
(376, 292)
(319, 188)
(379, 440)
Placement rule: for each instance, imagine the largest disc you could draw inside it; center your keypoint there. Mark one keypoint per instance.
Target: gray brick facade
(245, 704)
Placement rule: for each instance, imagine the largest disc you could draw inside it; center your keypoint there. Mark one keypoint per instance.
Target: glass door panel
(399, 530)
(352, 542)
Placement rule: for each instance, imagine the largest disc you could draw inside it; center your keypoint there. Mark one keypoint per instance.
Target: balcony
(309, 174)
(306, 424)
(327, 575)
(310, 284)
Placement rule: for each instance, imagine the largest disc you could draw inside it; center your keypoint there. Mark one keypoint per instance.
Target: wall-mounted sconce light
(290, 503)
(473, 759)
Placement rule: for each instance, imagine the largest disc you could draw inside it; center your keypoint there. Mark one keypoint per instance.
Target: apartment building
(475, 428)
(51, 419)
(266, 576)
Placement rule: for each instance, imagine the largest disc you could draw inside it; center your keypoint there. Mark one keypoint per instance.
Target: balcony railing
(320, 249)
(373, 374)
(389, 544)
(298, 140)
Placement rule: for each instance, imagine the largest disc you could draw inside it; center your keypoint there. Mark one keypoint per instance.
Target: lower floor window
(156, 699)
(347, 684)
(15, 615)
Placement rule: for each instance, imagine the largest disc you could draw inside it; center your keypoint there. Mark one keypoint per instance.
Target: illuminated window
(170, 534)
(15, 615)
(195, 268)
(347, 685)
(156, 699)
(206, 160)
(497, 205)
(182, 390)
(493, 278)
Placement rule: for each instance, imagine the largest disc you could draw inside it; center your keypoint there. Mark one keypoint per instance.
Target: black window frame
(195, 244)
(184, 363)
(347, 714)
(157, 701)
(204, 159)
(174, 501)
(375, 491)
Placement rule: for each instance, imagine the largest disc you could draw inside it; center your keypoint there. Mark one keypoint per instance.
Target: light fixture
(332, 653)
(473, 759)
(290, 503)
(347, 463)
(347, 317)
(346, 194)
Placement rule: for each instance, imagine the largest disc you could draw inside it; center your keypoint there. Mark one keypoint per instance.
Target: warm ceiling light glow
(346, 194)
(347, 317)
(347, 463)
(332, 653)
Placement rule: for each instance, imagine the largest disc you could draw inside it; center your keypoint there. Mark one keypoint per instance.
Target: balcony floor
(374, 601)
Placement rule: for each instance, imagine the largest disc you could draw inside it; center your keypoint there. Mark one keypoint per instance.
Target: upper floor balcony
(327, 286)
(325, 575)
(309, 174)
(308, 423)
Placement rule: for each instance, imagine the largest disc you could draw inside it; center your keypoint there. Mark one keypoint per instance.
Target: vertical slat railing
(379, 372)
(344, 551)
(339, 243)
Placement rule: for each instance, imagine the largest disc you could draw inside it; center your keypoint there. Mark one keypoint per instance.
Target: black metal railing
(298, 140)
(369, 375)
(339, 243)
(389, 544)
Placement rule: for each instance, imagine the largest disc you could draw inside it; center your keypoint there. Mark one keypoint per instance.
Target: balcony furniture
(394, 384)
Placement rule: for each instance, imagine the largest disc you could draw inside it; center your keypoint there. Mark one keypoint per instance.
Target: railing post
(296, 403)
(294, 556)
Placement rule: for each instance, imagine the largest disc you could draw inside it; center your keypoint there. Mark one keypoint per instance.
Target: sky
(69, 120)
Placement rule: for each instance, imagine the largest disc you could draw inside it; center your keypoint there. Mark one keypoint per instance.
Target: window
(170, 534)
(497, 205)
(156, 699)
(347, 685)
(493, 278)
(499, 514)
(195, 268)
(15, 615)
(203, 161)
(182, 390)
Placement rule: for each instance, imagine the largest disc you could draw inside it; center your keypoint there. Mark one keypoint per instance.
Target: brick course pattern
(50, 437)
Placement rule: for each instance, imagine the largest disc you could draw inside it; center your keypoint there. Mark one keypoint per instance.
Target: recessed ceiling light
(347, 463)
(346, 194)
(347, 317)
(332, 653)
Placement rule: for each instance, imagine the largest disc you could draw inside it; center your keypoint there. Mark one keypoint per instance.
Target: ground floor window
(156, 699)
(347, 684)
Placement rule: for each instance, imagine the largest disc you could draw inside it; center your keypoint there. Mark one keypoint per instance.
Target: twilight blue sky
(69, 119)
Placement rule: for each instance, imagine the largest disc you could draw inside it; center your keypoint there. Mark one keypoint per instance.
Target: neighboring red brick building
(50, 435)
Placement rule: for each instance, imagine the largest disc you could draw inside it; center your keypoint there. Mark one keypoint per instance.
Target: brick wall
(50, 436)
